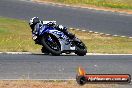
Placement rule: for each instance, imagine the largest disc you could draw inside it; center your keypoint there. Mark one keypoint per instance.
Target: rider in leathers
(35, 24)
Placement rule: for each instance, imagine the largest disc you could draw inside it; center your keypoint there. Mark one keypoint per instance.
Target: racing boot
(66, 32)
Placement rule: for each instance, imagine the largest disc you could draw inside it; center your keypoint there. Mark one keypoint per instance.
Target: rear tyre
(52, 46)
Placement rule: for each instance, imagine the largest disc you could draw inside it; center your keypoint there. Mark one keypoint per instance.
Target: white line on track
(62, 54)
(107, 54)
(115, 35)
(96, 32)
(130, 37)
(78, 29)
(83, 30)
(16, 53)
(101, 33)
(90, 31)
(107, 34)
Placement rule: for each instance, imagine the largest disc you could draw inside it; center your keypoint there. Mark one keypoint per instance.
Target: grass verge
(121, 4)
(15, 35)
(97, 43)
(50, 84)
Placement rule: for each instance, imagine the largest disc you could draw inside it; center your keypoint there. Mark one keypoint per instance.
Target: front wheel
(46, 52)
(81, 49)
(51, 44)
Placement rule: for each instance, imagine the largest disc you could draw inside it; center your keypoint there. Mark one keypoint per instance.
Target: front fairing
(44, 29)
(63, 39)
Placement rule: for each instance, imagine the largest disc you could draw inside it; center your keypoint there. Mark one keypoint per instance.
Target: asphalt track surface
(42, 67)
(39, 66)
(100, 21)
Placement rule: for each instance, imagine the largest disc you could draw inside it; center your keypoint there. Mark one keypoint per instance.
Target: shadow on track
(41, 54)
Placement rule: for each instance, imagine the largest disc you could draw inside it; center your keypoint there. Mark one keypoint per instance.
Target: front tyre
(51, 44)
(81, 49)
(46, 52)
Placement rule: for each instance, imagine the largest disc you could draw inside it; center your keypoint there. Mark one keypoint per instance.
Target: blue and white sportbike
(55, 42)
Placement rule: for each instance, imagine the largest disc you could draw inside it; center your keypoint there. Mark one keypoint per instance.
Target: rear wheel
(51, 44)
(81, 49)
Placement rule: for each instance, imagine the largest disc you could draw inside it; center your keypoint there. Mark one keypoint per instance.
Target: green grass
(122, 4)
(15, 35)
(97, 43)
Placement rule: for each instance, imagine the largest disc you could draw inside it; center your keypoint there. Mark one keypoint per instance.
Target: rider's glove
(34, 37)
(60, 27)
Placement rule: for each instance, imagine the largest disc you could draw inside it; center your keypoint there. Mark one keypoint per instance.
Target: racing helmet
(34, 21)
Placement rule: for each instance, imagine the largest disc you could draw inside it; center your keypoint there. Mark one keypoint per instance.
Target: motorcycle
(55, 42)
